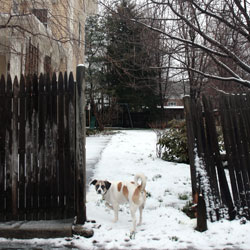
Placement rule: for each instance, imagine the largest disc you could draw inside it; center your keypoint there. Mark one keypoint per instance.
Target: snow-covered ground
(94, 147)
(164, 226)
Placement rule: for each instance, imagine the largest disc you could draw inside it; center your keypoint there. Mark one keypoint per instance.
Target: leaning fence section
(223, 182)
(37, 148)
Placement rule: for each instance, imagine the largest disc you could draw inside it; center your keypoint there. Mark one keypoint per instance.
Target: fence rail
(225, 191)
(37, 148)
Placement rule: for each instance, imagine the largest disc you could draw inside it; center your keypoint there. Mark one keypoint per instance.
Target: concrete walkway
(37, 229)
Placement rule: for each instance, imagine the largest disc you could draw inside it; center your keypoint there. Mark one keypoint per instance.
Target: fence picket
(54, 169)
(67, 172)
(61, 141)
(21, 150)
(72, 143)
(235, 147)
(243, 152)
(8, 147)
(48, 147)
(246, 116)
(14, 150)
(191, 143)
(205, 166)
(2, 147)
(228, 141)
(28, 150)
(41, 148)
(35, 160)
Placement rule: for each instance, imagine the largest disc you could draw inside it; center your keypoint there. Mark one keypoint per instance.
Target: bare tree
(211, 39)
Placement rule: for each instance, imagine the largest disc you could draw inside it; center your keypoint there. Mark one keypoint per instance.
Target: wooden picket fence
(226, 191)
(38, 165)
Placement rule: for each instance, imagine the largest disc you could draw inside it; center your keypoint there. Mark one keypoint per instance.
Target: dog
(117, 193)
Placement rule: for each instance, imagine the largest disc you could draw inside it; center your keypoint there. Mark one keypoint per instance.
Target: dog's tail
(143, 179)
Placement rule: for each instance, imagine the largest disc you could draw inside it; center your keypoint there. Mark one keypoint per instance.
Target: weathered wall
(61, 39)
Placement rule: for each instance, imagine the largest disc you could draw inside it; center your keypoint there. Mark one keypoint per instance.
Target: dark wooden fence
(226, 191)
(38, 148)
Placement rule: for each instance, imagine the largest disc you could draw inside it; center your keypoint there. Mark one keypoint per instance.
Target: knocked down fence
(42, 148)
(226, 191)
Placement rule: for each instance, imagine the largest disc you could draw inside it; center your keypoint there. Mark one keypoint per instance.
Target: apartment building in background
(42, 36)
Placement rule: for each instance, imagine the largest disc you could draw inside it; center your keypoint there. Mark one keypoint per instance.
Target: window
(42, 15)
(31, 62)
(15, 7)
(47, 65)
(172, 103)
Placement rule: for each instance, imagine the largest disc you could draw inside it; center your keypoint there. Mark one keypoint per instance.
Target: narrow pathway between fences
(94, 148)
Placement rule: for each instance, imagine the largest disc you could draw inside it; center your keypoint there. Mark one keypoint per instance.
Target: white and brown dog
(116, 193)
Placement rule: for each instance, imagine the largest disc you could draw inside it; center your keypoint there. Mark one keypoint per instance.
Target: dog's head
(101, 187)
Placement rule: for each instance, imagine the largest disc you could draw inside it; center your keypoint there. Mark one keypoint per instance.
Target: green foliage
(95, 49)
(189, 210)
(91, 132)
(183, 197)
(174, 238)
(174, 142)
(174, 145)
(120, 62)
(220, 139)
(129, 60)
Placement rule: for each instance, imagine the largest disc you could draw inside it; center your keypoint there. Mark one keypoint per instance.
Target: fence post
(201, 215)
(80, 146)
(191, 143)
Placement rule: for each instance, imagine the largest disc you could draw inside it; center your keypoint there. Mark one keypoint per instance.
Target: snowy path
(94, 147)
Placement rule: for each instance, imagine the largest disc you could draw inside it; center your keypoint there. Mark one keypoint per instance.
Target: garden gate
(42, 148)
(226, 191)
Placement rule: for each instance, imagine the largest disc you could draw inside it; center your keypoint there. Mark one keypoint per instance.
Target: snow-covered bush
(174, 142)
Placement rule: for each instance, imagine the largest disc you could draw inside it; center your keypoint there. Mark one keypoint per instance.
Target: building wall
(59, 40)
(3, 65)
(174, 102)
(73, 26)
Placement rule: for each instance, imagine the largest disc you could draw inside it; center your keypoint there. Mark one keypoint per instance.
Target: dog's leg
(140, 220)
(133, 211)
(108, 205)
(116, 209)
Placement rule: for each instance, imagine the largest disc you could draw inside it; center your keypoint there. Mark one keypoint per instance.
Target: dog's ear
(93, 182)
(107, 184)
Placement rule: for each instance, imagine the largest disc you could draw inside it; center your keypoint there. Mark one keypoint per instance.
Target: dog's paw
(132, 235)
(115, 220)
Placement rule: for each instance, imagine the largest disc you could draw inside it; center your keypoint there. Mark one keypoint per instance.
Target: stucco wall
(62, 38)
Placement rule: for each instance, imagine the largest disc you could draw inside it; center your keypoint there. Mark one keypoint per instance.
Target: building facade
(42, 36)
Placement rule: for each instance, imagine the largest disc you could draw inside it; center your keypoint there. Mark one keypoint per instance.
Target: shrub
(189, 210)
(174, 142)
(183, 197)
